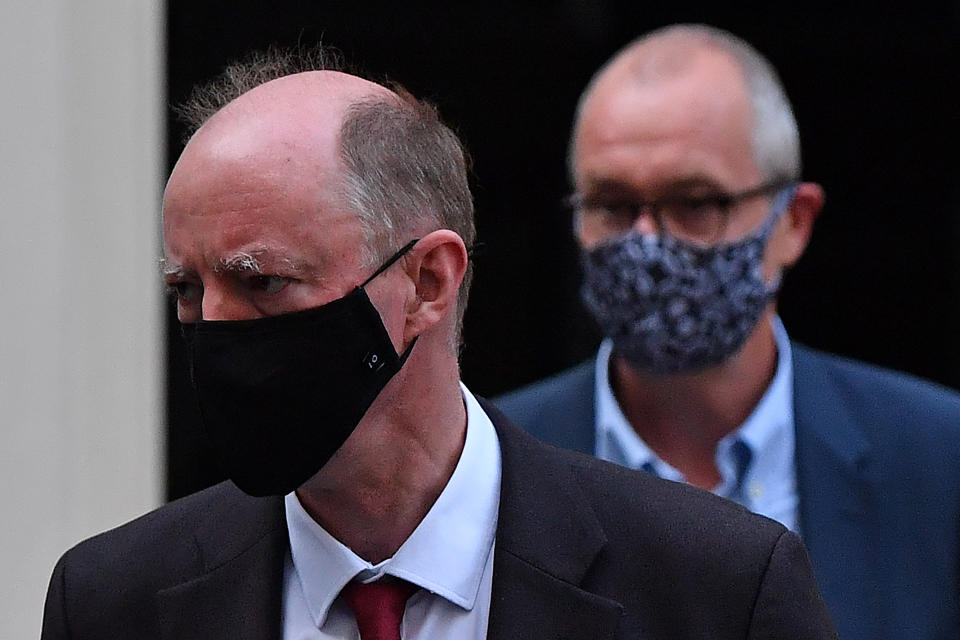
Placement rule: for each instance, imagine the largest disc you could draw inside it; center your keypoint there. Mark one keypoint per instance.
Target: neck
(379, 486)
(683, 417)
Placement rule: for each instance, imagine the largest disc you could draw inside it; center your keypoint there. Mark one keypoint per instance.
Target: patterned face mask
(675, 307)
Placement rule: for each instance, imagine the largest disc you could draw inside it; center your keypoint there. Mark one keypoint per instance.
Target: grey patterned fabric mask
(674, 307)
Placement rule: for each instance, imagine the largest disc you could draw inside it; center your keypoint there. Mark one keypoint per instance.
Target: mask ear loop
(781, 203)
(386, 265)
(477, 248)
(389, 263)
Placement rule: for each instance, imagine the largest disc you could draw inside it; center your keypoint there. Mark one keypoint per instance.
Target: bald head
(742, 75)
(274, 129)
(302, 110)
(658, 57)
(289, 125)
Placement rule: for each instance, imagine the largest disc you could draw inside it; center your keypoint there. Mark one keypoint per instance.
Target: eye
(698, 204)
(185, 292)
(268, 284)
(691, 209)
(612, 213)
(697, 218)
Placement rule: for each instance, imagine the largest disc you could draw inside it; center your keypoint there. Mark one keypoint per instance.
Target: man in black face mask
(315, 234)
(689, 205)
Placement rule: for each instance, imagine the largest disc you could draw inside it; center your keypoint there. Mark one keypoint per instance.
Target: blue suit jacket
(878, 473)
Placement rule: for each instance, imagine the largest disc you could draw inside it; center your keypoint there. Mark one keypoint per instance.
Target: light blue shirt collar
(446, 554)
(756, 462)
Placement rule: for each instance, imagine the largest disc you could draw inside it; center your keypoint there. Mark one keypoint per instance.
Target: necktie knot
(379, 606)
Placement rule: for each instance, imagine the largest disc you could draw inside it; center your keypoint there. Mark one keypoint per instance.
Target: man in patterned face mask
(688, 206)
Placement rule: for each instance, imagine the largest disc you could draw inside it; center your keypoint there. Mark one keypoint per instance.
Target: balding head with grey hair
(666, 52)
(405, 171)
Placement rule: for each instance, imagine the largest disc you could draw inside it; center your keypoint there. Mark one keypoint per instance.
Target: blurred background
(100, 421)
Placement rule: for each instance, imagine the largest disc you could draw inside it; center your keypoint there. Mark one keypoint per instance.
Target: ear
(436, 265)
(795, 228)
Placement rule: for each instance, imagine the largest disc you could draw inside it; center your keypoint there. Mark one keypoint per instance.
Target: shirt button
(756, 490)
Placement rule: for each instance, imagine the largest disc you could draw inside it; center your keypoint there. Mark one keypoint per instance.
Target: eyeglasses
(701, 219)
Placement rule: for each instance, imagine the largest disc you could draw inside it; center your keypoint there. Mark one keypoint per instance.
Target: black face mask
(279, 395)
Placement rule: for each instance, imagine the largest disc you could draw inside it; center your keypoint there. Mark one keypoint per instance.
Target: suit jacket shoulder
(878, 472)
(882, 396)
(558, 409)
(120, 583)
(884, 428)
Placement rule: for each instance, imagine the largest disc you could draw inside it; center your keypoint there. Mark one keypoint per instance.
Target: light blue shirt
(756, 462)
(449, 555)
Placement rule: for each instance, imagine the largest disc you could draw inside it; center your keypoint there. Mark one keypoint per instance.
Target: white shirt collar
(616, 440)
(769, 484)
(445, 554)
(768, 431)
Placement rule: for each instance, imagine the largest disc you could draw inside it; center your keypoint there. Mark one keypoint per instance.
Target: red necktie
(379, 606)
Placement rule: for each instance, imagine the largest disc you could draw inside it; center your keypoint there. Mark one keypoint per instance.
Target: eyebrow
(239, 262)
(168, 268)
(256, 260)
(253, 260)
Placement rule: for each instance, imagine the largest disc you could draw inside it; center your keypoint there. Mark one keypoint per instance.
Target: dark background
(869, 83)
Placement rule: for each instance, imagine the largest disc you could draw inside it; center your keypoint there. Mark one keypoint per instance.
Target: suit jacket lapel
(547, 539)
(838, 484)
(237, 592)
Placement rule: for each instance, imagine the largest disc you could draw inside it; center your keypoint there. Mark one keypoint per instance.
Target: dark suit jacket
(878, 472)
(584, 549)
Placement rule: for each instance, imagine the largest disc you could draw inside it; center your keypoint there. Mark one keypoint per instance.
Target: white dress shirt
(449, 555)
(756, 462)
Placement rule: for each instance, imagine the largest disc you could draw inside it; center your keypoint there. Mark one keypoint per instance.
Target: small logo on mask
(373, 361)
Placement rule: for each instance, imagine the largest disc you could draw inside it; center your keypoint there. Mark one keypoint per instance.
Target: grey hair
(405, 171)
(775, 138)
